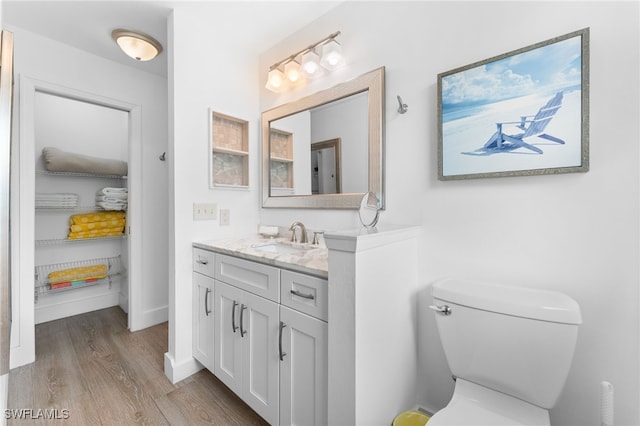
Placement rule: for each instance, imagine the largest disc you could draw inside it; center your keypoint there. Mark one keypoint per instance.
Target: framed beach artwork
(525, 112)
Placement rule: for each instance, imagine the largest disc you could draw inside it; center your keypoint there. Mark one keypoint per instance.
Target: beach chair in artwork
(532, 125)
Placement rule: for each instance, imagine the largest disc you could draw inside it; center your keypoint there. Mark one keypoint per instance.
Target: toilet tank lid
(544, 305)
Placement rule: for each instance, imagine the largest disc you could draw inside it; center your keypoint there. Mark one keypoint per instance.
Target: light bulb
(292, 71)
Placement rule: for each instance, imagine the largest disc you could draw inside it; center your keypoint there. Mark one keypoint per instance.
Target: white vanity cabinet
(246, 332)
(202, 309)
(269, 335)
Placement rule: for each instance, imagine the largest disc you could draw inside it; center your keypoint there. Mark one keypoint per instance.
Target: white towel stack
(112, 198)
(56, 201)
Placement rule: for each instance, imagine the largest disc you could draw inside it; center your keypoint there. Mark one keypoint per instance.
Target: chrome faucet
(303, 232)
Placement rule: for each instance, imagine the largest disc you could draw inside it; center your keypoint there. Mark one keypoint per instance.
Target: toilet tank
(514, 340)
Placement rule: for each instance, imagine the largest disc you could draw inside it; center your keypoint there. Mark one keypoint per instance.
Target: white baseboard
(150, 318)
(64, 304)
(176, 372)
(68, 309)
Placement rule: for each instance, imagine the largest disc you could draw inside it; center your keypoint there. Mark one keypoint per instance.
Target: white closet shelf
(57, 241)
(42, 286)
(93, 175)
(77, 209)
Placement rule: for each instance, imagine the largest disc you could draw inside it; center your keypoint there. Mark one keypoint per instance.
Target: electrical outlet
(205, 211)
(224, 217)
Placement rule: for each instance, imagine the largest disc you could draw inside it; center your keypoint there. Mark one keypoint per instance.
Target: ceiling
(87, 25)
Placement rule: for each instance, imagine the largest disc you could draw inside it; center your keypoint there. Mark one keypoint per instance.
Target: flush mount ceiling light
(139, 46)
(309, 64)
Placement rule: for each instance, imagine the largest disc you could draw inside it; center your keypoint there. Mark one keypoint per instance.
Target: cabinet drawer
(203, 262)
(305, 293)
(256, 278)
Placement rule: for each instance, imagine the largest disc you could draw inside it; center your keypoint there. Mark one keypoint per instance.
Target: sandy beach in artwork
(470, 133)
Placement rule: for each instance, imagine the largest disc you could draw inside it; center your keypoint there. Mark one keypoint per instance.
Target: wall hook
(163, 157)
(403, 107)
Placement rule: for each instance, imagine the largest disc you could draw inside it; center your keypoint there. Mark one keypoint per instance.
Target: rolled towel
(57, 160)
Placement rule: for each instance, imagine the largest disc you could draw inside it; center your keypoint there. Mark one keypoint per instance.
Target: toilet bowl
(510, 349)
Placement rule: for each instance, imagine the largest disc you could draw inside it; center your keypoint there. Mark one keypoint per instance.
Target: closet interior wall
(78, 127)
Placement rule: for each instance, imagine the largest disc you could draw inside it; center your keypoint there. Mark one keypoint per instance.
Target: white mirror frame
(371, 82)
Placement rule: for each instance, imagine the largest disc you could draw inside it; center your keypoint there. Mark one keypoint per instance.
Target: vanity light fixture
(139, 46)
(309, 64)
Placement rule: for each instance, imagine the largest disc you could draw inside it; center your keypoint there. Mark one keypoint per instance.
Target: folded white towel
(111, 206)
(112, 198)
(112, 191)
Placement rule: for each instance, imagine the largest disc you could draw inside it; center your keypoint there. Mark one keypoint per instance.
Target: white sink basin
(279, 247)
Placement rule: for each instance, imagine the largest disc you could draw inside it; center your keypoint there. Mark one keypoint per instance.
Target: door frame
(23, 220)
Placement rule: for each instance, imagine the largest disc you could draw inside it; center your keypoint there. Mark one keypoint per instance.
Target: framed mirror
(338, 131)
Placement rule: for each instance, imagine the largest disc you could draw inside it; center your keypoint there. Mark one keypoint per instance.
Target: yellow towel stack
(97, 224)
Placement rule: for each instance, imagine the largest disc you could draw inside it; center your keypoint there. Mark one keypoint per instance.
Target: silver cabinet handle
(442, 310)
(242, 330)
(202, 262)
(303, 295)
(233, 317)
(207, 311)
(282, 354)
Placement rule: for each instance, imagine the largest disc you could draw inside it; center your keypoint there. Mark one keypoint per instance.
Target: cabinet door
(303, 370)
(227, 341)
(203, 320)
(260, 352)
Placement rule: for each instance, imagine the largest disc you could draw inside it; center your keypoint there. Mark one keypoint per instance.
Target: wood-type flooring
(90, 370)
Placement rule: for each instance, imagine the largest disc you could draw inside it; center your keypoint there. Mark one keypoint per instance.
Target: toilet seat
(477, 405)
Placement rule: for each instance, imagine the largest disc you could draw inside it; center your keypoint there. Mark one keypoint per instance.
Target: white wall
(209, 75)
(576, 233)
(43, 59)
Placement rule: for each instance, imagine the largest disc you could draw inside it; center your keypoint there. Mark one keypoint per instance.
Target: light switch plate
(204, 211)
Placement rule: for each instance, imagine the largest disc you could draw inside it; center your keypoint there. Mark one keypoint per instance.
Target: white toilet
(509, 348)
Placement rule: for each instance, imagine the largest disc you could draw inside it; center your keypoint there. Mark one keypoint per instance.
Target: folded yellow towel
(78, 219)
(79, 273)
(96, 233)
(117, 223)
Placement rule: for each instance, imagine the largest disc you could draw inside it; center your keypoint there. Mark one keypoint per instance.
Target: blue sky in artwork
(543, 70)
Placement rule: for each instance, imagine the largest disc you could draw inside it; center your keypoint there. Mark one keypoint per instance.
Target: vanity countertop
(309, 260)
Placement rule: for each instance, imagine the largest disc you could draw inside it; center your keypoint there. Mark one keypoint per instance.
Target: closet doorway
(74, 122)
